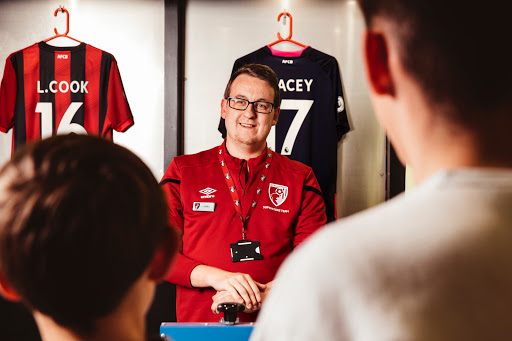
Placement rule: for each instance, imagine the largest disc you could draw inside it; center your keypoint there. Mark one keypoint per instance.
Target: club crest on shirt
(277, 193)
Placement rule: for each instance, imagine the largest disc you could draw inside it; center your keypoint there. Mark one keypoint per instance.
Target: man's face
(248, 127)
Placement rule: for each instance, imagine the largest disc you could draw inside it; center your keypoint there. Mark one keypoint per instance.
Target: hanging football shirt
(48, 90)
(313, 117)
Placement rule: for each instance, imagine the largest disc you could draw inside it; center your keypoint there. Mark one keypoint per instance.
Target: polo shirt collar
(234, 162)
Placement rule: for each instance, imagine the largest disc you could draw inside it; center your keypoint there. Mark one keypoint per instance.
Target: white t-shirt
(432, 264)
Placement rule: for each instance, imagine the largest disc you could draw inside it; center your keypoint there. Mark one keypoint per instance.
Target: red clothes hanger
(290, 35)
(57, 34)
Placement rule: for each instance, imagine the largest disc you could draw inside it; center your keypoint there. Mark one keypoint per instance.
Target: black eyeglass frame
(249, 102)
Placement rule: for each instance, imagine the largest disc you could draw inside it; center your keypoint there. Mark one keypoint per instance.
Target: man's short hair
(262, 72)
(457, 50)
(80, 219)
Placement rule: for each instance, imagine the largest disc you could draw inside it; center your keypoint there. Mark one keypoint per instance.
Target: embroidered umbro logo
(207, 193)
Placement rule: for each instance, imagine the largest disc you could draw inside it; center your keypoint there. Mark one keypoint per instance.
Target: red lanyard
(234, 193)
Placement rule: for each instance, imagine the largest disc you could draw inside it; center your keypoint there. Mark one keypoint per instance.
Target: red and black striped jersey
(48, 90)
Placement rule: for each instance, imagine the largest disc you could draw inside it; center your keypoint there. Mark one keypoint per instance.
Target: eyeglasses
(261, 107)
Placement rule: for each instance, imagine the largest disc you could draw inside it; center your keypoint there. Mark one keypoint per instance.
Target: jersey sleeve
(118, 110)
(8, 89)
(312, 214)
(342, 124)
(171, 185)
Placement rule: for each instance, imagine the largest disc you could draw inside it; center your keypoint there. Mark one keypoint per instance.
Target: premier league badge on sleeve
(277, 193)
(341, 104)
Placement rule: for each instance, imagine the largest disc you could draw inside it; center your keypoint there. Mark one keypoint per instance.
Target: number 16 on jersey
(65, 126)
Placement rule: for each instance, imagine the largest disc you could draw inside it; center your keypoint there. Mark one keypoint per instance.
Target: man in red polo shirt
(240, 207)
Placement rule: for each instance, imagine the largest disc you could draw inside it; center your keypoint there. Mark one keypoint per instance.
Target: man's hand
(225, 296)
(242, 288)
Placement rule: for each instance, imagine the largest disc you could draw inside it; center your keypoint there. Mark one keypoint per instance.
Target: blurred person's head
(442, 66)
(83, 232)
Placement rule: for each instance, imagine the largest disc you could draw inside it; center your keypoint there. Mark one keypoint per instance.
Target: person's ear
(164, 255)
(7, 292)
(223, 108)
(276, 115)
(376, 56)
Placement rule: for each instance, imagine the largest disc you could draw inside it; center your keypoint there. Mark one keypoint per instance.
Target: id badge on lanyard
(245, 250)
